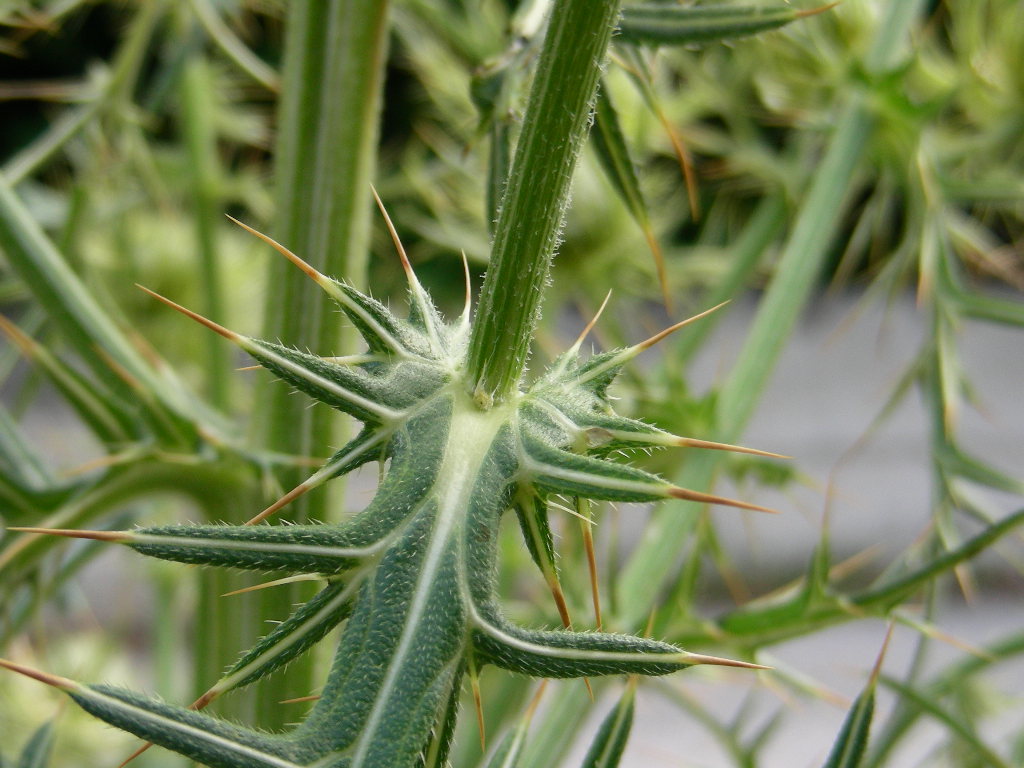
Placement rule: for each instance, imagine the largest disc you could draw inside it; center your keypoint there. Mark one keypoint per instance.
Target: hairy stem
(537, 192)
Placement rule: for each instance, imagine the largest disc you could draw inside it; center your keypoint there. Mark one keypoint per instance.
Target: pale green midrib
(383, 412)
(194, 732)
(395, 345)
(529, 468)
(470, 437)
(243, 545)
(572, 654)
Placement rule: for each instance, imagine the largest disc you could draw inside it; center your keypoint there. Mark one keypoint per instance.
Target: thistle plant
(413, 575)
(464, 437)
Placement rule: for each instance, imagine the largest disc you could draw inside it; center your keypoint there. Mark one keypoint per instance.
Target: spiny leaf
(533, 520)
(419, 562)
(541, 653)
(292, 637)
(368, 445)
(347, 388)
(599, 371)
(381, 330)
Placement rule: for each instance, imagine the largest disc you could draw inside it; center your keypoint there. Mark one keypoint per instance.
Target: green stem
(328, 134)
(201, 140)
(761, 230)
(803, 257)
(537, 193)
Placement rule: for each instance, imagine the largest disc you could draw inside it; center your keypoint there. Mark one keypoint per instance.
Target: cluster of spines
(565, 428)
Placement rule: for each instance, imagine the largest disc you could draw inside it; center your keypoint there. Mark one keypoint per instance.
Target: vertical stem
(533, 206)
(201, 140)
(327, 140)
(655, 559)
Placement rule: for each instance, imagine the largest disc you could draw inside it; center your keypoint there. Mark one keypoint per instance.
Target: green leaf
(37, 751)
(930, 706)
(307, 626)
(852, 741)
(614, 157)
(848, 749)
(610, 742)
(667, 24)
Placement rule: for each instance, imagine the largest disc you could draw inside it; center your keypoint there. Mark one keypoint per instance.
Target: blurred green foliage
(117, 153)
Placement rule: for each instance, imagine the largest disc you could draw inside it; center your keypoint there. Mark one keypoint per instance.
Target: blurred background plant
(872, 150)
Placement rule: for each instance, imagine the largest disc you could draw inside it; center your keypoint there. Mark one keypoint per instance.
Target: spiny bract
(415, 572)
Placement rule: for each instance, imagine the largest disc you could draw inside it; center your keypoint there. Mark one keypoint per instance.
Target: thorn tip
(43, 677)
(113, 536)
(215, 327)
(690, 442)
(708, 498)
(700, 658)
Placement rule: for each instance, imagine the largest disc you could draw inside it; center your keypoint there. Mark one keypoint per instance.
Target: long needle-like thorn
(700, 658)
(535, 701)
(289, 497)
(590, 326)
(690, 442)
(590, 690)
(659, 265)
(301, 699)
(559, 597)
(684, 159)
(43, 677)
(23, 341)
(418, 294)
(145, 747)
(586, 527)
(469, 288)
(274, 583)
(877, 669)
(317, 277)
(307, 268)
(114, 536)
(216, 328)
(708, 498)
(815, 11)
(474, 681)
(673, 328)
(102, 462)
(394, 238)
